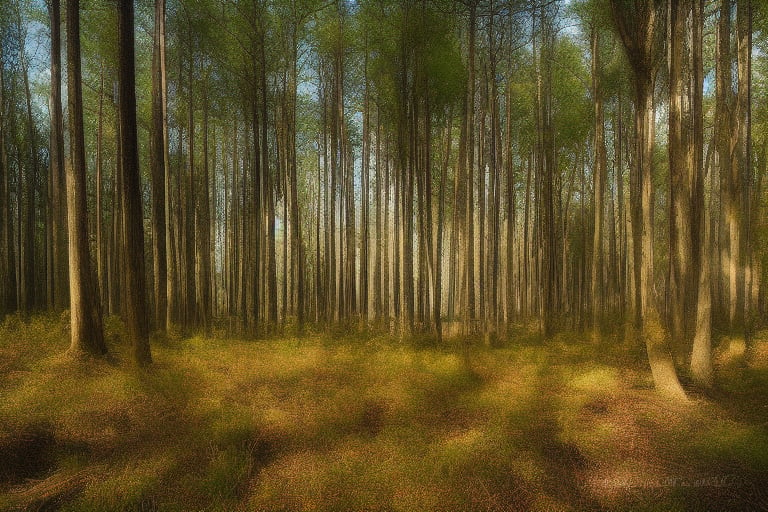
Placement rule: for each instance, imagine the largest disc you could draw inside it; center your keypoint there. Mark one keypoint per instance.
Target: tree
(701, 354)
(58, 195)
(133, 219)
(639, 25)
(85, 306)
(681, 179)
(159, 168)
(599, 176)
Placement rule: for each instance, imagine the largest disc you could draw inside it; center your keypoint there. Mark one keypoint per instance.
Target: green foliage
(571, 90)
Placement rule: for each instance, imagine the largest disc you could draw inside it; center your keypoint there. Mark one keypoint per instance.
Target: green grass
(370, 423)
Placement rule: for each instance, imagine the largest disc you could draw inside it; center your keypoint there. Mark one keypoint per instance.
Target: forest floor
(317, 423)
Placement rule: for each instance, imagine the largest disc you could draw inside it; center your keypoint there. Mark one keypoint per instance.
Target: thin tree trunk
(171, 315)
(28, 229)
(59, 205)
(469, 313)
(157, 165)
(597, 286)
(100, 252)
(741, 172)
(7, 256)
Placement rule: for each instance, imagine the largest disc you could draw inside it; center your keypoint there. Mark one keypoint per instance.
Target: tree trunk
(28, 227)
(469, 313)
(599, 173)
(100, 246)
(171, 289)
(641, 52)
(741, 172)
(157, 166)
(701, 355)
(203, 235)
(133, 219)
(598, 187)
(59, 205)
(681, 184)
(85, 307)
(7, 254)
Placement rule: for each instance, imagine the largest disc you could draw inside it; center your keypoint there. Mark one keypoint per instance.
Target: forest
(401, 255)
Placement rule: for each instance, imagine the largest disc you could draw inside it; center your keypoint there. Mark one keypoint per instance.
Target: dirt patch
(27, 452)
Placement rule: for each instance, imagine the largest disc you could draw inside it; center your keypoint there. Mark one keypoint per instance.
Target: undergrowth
(315, 422)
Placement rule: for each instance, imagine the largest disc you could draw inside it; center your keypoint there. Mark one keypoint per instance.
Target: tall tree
(742, 170)
(133, 218)
(701, 355)
(58, 193)
(599, 177)
(85, 307)
(158, 165)
(7, 264)
(681, 178)
(639, 24)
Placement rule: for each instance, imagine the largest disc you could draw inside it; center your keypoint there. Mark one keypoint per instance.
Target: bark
(438, 258)
(638, 33)
(7, 256)
(203, 235)
(58, 195)
(85, 309)
(511, 302)
(365, 186)
(681, 183)
(378, 288)
(469, 209)
(133, 219)
(27, 231)
(741, 172)
(101, 270)
(297, 247)
(171, 289)
(158, 170)
(599, 176)
(701, 355)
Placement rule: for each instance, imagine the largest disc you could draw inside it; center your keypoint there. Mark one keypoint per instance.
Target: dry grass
(318, 424)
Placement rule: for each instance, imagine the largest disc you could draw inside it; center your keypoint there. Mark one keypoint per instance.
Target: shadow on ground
(317, 424)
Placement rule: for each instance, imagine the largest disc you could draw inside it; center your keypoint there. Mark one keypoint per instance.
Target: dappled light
(317, 424)
(383, 255)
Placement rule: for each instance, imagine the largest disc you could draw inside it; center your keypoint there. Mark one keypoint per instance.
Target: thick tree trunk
(364, 191)
(681, 185)
(85, 307)
(133, 218)
(641, 52)
(701, 355)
